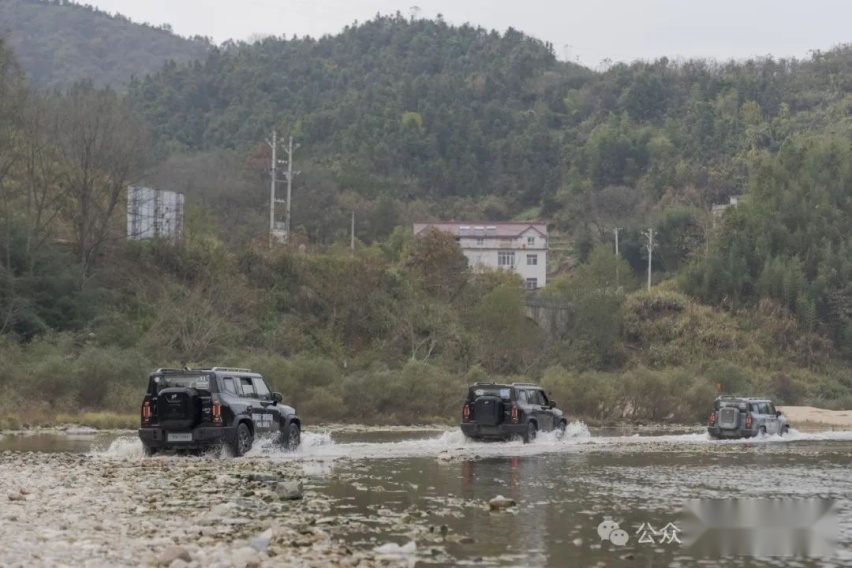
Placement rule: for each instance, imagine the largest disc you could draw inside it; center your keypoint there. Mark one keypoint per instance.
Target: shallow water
(391, 488)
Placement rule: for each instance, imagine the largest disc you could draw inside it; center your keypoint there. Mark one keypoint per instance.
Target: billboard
(154, 214)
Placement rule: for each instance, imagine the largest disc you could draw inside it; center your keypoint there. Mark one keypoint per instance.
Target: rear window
(731, 404)
(503, 392)
(199, 382)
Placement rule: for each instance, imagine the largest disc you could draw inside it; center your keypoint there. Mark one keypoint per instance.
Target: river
(401, 497)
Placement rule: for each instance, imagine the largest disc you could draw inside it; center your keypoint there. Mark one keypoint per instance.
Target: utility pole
(650, 234)
(616, 231)
(274, 170)
(290, 173)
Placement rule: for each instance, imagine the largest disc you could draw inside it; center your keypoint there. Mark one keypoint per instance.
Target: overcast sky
(588, 31)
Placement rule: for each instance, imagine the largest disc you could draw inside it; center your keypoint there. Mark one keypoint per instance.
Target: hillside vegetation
(401, 120)
(59, 42)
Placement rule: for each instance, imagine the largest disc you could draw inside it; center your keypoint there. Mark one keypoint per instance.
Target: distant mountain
(58, 42)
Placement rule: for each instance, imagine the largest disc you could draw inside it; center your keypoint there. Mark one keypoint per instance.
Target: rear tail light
(748, 421)
(712, 418)
(146, 413)
(515, 414)
(217, 413)
(466, 413)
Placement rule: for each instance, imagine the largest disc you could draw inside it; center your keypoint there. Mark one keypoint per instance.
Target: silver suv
(739, 417)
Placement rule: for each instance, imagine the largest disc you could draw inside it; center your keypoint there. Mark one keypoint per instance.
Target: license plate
(180, 437)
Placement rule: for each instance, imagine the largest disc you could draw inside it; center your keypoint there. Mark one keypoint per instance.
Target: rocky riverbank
(84, 510)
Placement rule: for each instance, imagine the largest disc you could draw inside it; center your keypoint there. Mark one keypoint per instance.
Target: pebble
(289, 490)
(500, 503)
(172, 553)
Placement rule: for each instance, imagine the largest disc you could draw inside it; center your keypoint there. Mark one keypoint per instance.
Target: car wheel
(148, 451)
(531, 433)
(291, 438)
(243, 442)
(560, 430)
(761, 433)
(784, 431)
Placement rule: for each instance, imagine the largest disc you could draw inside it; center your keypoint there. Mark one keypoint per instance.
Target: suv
(496, 411)
(740, 417)
(193, 409)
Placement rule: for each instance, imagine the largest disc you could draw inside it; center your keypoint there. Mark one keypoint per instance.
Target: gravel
(89, 510)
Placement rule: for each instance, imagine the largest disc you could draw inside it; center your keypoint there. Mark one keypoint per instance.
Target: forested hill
(461, 110)
(406, 111)
(467, 112)
(58, 42)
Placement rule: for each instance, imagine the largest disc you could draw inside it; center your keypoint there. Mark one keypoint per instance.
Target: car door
(541, 409)
(262, 420)
(267, 415)
(772, 422)
(551, 413)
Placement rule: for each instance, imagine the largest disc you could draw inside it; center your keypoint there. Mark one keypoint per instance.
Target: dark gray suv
(194, 409)
(741, 417)
(502, 412)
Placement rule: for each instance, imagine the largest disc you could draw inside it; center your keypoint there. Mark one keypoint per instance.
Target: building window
(532, 283)
(480, 242)
(531, 241)
(532, 260)
(505, 258)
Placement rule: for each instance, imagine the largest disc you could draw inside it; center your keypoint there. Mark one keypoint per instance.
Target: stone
(261, 542)
(173, 553)
(289, 490)
(245, 557)
(501, 503)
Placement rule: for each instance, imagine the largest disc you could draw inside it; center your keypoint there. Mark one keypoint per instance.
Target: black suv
(193, 409)
(496, 411)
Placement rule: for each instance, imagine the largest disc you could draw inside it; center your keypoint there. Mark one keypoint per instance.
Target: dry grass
(100, 420)
(97, 420)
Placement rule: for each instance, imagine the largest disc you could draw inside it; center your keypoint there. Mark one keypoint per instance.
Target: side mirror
(777, 413)
(277, 397)
(552, 404)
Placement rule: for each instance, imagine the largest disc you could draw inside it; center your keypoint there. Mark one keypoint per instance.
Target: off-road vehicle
(741, 417)
(503, 412)
(194, 409)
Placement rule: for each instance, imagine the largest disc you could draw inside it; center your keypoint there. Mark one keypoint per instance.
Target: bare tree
(105, 149)
(13, 93)
(41, 172)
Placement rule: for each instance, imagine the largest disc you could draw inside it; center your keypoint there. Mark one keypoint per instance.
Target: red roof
(500, 230)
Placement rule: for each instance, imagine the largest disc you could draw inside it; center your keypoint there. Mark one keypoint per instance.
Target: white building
(154, 213)
(520, 247)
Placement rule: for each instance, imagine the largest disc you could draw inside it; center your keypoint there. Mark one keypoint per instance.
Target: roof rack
(525, 385)
(166, 370)
(231, 369)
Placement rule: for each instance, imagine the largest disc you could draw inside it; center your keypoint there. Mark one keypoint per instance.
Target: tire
(531, 432)
(291, 437)
(784, 431)
(242, 444)
(761, 433)
(148, 451)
